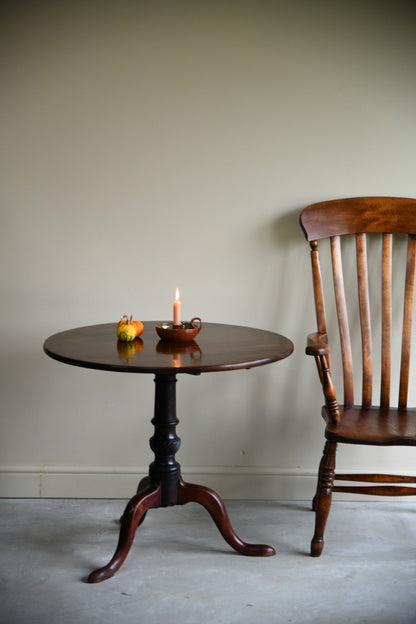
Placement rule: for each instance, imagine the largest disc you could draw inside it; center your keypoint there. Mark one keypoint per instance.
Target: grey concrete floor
(180, 571)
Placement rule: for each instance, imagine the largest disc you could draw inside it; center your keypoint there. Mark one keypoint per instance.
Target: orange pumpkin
(138, 326)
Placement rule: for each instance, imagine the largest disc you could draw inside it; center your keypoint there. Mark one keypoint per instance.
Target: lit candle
(177, 309)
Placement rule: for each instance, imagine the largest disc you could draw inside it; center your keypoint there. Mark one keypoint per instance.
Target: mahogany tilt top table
(217, 347)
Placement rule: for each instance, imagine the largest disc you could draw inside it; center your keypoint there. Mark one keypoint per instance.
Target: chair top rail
(359, 214)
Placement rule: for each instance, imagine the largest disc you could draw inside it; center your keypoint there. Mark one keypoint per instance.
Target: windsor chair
(388, 221)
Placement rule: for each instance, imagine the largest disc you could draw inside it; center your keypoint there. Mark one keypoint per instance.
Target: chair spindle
(342, 314)
(366, 337)
(317, 288)
(386, 320)
(407, 322)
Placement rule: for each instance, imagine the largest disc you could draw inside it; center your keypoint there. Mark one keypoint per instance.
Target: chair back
(364, 218)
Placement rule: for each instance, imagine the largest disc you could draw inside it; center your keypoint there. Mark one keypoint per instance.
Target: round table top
(217, 347)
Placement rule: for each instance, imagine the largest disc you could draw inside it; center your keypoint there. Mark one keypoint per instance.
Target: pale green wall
(149, 145)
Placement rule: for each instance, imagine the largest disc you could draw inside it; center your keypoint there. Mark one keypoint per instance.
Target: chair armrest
(317, 344)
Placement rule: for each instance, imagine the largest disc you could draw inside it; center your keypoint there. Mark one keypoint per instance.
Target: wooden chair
(364, 219)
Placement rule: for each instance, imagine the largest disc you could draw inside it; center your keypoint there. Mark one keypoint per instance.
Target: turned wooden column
(165, 470)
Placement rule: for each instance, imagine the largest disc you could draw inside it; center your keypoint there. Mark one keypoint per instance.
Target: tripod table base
(150, 498)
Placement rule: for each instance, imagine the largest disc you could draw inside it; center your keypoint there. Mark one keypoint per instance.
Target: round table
(217, 347)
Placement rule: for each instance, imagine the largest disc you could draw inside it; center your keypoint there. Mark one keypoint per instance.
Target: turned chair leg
(323, 497)
(321, 465)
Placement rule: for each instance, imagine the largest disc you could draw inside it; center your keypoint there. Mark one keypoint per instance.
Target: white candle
(177, 309)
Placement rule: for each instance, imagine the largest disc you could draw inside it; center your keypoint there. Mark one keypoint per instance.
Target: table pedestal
(164, 486)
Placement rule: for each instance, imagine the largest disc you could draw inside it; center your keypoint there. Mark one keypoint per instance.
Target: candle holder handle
(195, 324)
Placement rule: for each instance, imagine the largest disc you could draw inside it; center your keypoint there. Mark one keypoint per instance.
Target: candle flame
(177, 295)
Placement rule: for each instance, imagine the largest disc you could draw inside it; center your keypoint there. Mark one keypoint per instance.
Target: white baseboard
(121, 482)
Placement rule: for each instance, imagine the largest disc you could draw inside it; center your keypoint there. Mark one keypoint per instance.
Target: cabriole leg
(135, 510)
(189, 492)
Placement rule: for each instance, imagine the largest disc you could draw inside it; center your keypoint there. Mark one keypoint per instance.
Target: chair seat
(373, 425)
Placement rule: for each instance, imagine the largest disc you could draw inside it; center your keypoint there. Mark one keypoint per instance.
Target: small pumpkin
(125, 320)
(126, 332)
(138, 325)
